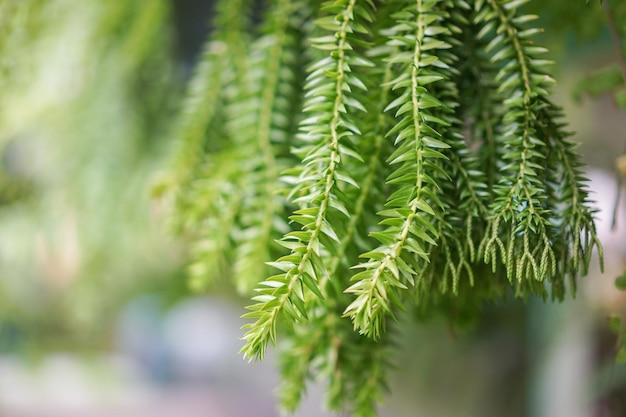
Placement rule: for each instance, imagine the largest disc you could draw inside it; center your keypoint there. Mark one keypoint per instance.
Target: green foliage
(611, 78)
(422, 162)
(618, 327)
(81, 83)
(620, 282)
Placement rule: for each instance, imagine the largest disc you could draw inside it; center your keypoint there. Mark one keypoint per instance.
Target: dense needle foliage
(350, 159)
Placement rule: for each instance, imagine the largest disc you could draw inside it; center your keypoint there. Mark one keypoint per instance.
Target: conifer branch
(421, 150)
(519, 203)
(200, 110)
(312, 336)
(264, 131)
(418, 144)
(204, 168)
(319, 177)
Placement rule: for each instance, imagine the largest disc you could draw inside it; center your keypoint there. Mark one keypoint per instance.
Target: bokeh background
(96, 317)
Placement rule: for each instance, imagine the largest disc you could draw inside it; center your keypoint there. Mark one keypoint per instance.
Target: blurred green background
(96, 317)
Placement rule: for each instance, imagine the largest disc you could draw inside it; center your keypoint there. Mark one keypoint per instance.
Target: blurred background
(96, 317)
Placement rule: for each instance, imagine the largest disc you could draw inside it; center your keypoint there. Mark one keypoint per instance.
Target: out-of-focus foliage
(422, 162)
(583, 20)
(86, 92)
(612, 78)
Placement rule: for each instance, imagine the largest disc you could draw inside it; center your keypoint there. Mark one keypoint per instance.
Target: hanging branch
(327, 134)
(421, 150)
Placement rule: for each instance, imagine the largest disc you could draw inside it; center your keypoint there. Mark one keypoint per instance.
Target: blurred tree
(84, 87)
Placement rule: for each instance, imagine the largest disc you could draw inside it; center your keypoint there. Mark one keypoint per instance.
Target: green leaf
(600, 82)
(620, 282)
(620, 98)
